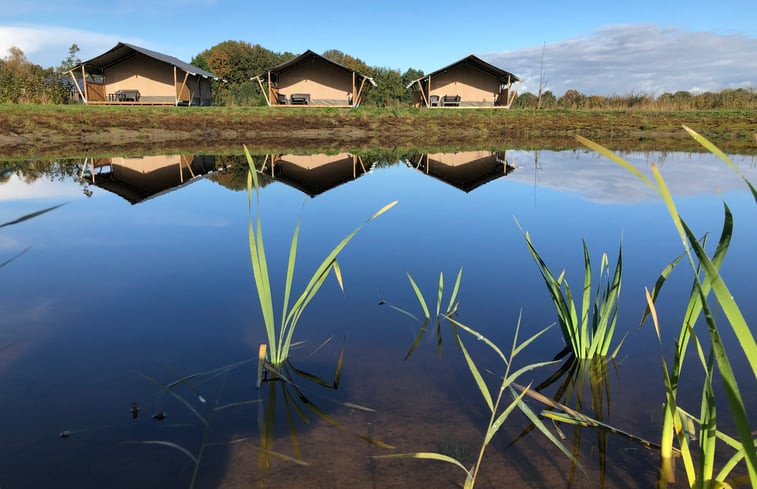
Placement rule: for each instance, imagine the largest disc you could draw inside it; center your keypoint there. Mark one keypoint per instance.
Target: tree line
(235, 62)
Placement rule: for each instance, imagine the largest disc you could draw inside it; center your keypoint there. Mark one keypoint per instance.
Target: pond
(142, 278)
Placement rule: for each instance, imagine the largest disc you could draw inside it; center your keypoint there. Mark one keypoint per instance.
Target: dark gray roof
(476, 62)
(123, 50)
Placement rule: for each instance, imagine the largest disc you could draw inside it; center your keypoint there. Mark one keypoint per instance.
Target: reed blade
(419, 295)
(418, 339)
(426, 456)
(30, 215)
(165, 444)
(475, 372)
(455, 290)
(717, 152)
(176, 396)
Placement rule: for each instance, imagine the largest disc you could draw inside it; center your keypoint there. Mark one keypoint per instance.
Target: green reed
(679, 425)
(591, 333)
(498, 405)
(280, 332)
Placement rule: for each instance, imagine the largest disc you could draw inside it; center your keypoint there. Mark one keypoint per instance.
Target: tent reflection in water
(466, 170)
(137, 179)
(314, 174)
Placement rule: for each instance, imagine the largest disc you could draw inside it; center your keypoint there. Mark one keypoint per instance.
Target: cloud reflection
(599, 180)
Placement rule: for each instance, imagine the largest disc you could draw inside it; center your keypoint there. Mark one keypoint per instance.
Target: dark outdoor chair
(434, 100)
(282, 99)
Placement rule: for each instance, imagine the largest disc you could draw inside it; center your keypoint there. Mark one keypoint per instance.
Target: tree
(235, 62)
(389, 89)
(71, 60)
(355, 64)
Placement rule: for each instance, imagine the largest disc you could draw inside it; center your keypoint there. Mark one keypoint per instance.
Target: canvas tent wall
(146, 77)
(476, 83)
(310, 79)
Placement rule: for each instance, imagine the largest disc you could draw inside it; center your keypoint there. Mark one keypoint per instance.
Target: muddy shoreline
(28, 132)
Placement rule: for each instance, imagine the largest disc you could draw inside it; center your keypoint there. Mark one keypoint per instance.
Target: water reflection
(314, 174)
(137, 179)
(61, 357)
(466, 170)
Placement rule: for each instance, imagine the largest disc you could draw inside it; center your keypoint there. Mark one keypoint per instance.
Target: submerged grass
(678, 425)
(279, 333)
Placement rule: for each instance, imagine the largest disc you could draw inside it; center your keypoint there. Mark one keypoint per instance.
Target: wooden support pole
(428, 89)
(424, 98)
(183, 86)
(78, 88)
(354, 93)
(270, 89)
(175, 88)
(84, 82)
(262, 90)
(356, 102)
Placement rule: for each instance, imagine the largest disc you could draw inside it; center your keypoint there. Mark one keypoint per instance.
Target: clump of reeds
(279, 333)
(587, 332)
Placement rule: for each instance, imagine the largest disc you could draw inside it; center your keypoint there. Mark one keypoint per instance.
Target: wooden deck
(296, 106)
(105, 102)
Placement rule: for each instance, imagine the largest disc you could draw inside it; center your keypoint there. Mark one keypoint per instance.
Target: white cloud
(649, 59)
(48, 46)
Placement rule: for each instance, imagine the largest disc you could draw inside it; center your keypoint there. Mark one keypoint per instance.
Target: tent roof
(309, 56)
(475, 62)
(123, 50)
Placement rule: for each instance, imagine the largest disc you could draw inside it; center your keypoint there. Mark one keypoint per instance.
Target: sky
(598, 48)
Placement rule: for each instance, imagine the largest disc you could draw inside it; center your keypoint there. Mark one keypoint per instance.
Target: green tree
(527, 100)
(355, 64)
(235, 62)
(389, 89)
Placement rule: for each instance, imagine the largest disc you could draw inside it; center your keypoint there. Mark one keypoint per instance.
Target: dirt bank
(58, 131)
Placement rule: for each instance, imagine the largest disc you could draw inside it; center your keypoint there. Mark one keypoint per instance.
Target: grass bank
(28, 131)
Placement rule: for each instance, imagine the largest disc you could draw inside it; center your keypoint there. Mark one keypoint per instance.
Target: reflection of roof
(318, 173)
(123, 50)
(475, 62)
(143, 178)
(465, 170)
(308, 57)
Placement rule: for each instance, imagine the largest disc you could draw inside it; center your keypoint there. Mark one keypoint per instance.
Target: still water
(143, 277)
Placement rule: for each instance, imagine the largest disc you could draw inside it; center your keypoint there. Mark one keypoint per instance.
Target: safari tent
(312, 80)
(466, 170)
(132, 75)
(470, 82)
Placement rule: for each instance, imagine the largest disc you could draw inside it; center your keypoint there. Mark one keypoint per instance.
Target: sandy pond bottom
(416, 411)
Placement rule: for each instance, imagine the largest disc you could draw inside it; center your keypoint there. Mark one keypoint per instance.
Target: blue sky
(596, 47)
